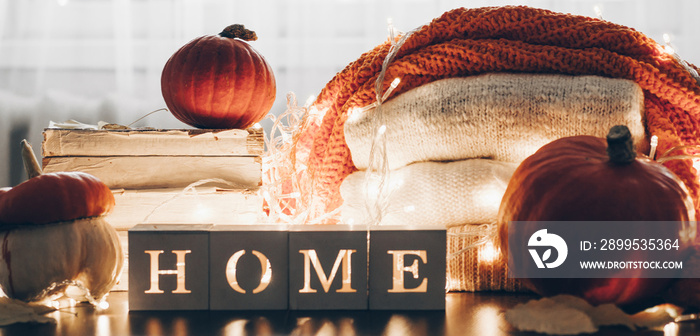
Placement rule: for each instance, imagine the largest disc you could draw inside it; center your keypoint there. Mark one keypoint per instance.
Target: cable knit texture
(465, 42)
(501, 116)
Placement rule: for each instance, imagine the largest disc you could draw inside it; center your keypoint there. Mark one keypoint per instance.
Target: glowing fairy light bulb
(668, 47)
(310, 100)
(103, 305)
(391, 29)
(381, 130)
(653, 143)
(201, 212)
(667, 38)
(598, 11)
(391, 88)
(286, 137)
(354, 114)
(266, 194)
(488, 252)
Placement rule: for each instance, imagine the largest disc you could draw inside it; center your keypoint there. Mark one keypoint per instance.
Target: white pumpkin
(41, 261)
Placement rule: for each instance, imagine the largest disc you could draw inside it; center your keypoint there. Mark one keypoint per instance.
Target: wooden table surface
(465, 314)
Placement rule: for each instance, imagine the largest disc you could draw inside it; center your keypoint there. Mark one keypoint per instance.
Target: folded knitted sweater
(428, 193)
(502, 116)
(466, 42)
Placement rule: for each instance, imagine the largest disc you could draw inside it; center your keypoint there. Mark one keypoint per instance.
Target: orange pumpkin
(219, 81)
(54, 197)
(585, 178)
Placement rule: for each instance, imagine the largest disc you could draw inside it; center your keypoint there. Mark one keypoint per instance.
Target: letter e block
(328, 267)
(248, 267)
(169, 267)
(407, 268)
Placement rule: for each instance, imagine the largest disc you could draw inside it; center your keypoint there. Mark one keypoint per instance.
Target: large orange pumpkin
(219, 81)
(585, 178)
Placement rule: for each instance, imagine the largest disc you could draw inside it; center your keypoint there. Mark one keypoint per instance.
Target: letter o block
(248, 267)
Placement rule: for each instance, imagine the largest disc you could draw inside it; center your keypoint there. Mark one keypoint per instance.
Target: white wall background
(95, 60)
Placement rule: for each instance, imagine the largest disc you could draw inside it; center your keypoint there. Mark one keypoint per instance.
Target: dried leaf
(571, 315)
(15, 311)
(549, 317)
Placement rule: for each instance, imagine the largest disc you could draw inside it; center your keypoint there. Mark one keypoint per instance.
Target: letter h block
(407, 268)
(248, 267)
(328, 267)
(169, 267)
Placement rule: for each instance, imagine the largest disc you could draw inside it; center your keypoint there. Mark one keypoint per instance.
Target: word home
(304, 267)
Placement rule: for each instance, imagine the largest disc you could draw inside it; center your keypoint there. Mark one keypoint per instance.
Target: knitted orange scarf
(465, 42)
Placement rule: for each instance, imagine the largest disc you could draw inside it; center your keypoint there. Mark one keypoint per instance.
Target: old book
(145, 172)
(195, 142)
(146, 159)
(200, 205)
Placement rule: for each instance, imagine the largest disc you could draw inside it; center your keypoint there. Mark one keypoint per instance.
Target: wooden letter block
(248, 267)
(328, 267)
(169, 267)
(407, 268)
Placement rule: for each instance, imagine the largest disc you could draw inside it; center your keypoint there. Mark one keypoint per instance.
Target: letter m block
(328, 267)
(169, 267)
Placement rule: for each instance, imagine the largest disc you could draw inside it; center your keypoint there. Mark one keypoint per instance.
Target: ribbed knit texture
(501, 116)
(465, 42)
(438, 194)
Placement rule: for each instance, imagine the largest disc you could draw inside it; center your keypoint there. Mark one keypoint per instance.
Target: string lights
(377, 180)
(283, 168)
(671, 50)
(598, 11)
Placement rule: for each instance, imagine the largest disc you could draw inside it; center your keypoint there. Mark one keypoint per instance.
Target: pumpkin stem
(31, 164)
(620, 146)
(238, 31)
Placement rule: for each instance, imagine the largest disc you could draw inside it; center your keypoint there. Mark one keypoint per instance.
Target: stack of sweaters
(481, 89)
(452, 145)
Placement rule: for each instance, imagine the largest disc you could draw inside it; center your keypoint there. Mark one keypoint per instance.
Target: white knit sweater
(428, 193)
(501, 116)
